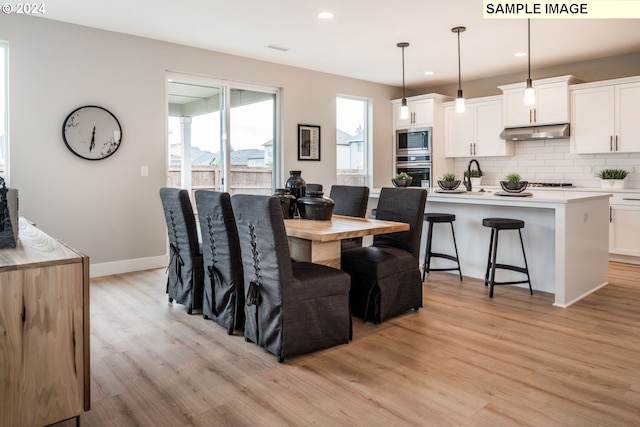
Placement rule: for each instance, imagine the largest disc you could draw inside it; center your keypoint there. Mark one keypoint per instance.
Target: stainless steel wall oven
(413, 155)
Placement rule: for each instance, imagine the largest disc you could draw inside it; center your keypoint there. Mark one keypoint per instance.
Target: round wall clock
(92, 132)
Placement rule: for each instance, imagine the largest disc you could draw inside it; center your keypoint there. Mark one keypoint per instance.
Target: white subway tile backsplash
(551, 161)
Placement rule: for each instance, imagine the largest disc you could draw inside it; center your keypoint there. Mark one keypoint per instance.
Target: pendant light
(404, 109)
(529, 92)
(460, 98)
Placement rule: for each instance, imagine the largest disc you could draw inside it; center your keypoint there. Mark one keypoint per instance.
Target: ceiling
(360, 41)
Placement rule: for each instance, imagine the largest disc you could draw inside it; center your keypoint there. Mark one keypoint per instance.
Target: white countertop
(375, 192)
(536, 199)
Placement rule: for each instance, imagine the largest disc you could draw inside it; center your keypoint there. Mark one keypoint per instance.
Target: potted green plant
(513, 184)
(448, 181)
(612, 178)
(475, 176)
(402, 180)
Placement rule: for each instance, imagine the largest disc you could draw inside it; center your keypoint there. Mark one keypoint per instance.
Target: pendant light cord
(529, 45)
(459, 73)
(403, 72)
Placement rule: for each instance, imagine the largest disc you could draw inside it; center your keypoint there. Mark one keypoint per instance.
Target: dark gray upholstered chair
(350, 200)
(314, 187)
(385, 277)
(185, 271)
(223, 299)
(291, 308)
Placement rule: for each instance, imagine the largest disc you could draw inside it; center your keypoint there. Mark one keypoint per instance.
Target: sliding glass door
(222, 136)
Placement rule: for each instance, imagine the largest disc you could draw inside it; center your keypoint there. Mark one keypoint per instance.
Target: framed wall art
(308, 142)
(92, 132)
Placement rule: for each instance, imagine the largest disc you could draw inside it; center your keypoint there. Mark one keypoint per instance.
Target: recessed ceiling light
(325, 15)
(429, 73)
(520, 54)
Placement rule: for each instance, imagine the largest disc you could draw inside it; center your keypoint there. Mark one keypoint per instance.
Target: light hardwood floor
(462, 360)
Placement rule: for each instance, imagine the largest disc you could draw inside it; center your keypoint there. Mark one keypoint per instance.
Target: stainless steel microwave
(413, 141)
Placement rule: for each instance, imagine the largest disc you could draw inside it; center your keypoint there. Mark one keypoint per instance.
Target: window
(4, 110)
(352, 139)
(221, 136)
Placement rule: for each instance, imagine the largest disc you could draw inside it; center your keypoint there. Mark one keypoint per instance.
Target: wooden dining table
(319, 241)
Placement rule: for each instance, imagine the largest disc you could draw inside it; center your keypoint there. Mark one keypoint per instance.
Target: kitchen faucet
(467, 178)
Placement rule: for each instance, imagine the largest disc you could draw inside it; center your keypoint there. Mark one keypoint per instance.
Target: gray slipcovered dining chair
(385, 277)
(291, 308)
(223, 299)
(185, 271)
(350, 200)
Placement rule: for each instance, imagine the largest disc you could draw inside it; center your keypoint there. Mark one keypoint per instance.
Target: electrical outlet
(144, 171)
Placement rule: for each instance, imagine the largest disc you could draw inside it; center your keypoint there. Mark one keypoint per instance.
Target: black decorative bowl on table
(315, 206)
(401, 182)
(449, 185)
(514, 186)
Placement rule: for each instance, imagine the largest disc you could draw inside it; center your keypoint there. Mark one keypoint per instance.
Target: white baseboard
(624, 259)
(127, 266)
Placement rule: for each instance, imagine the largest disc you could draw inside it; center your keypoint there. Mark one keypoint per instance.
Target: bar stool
(433, 218)
(497, 224)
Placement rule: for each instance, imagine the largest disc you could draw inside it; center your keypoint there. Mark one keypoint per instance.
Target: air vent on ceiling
(280, 48)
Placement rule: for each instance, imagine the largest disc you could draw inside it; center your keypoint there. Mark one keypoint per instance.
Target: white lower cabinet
(624, 224)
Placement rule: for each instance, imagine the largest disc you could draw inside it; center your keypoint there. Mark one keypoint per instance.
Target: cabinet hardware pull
(616, 142)
(530, 116)
(475, 146)
(610, 214)
(535, 115)
(610, 143)
(635, 199)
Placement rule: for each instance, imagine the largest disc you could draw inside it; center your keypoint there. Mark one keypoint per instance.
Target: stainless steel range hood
(532, 133)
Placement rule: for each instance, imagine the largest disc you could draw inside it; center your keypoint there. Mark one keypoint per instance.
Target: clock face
(92, 132)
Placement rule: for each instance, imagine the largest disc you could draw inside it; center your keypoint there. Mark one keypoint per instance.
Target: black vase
(296, 185)
(287, 201)
(315, 206)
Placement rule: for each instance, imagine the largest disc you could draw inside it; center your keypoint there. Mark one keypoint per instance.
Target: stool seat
(503, 223)
(439, 217)
(497, 224)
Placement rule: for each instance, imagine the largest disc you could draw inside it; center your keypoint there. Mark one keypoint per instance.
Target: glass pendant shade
(404, 109)
(529, 94)
(460, 103)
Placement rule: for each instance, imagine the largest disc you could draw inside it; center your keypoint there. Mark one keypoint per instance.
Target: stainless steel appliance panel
(413, 140)
(420, 172)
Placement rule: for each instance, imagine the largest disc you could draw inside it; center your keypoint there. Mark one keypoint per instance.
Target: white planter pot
(476, 181)
(612, 183)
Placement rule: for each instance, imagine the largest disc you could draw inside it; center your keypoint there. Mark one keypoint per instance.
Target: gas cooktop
(550, 184)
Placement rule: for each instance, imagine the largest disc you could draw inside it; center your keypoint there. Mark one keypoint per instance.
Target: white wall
(104, 208)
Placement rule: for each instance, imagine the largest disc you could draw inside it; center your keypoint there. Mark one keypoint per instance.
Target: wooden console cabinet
(44, 331)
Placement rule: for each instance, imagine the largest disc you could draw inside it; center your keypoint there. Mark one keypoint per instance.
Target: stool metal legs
(426, 266)
(490, 275)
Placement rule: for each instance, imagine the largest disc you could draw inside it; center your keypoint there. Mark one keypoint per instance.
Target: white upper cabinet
(604, 116)
(552, 103)
(420, 113)
(476, 132)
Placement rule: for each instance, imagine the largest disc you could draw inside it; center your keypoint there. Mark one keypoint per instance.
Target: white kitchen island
(565, 236)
